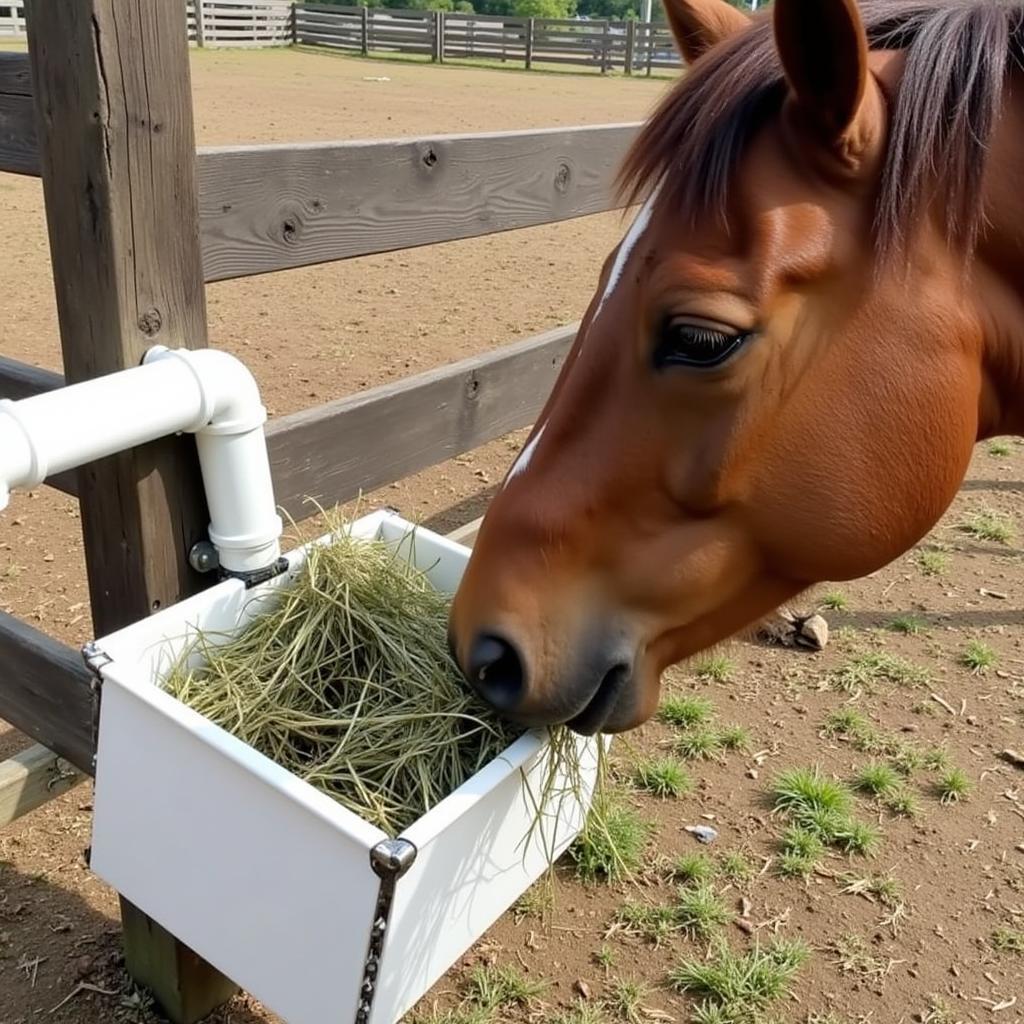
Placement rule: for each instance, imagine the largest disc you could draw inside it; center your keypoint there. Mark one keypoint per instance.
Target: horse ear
(699, 24)
(824, 52)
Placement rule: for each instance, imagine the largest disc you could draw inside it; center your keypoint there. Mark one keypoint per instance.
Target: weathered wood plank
(46, 692)
(271, 207)
(15, 74)
(32, 778)
(114, 104)
(19, 152)
(337, 450)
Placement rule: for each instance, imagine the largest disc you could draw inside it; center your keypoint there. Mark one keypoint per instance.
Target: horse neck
(998, 275)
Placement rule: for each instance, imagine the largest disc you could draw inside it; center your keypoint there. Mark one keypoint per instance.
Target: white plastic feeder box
(313, 910)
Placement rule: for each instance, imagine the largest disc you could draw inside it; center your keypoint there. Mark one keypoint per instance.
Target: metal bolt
(203, 557)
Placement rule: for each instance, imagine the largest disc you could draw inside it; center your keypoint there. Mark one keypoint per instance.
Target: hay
(345, 679)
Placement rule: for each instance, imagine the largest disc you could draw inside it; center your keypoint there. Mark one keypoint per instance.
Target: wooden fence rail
(441, 35)
(375, 437)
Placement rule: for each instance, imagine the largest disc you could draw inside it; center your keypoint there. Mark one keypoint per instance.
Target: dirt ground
(312, 335)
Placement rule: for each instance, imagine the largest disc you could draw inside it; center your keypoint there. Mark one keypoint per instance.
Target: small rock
(745, 907)
(813, 633)
(1014, 757)
(751, 773)
(702, 833)
(582, 988)
(746, 926)
(908, 728)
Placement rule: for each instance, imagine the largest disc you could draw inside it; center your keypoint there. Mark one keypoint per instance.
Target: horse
(816, 313)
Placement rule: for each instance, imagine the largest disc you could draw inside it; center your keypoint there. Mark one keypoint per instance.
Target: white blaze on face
(626, 247)
(638, 227)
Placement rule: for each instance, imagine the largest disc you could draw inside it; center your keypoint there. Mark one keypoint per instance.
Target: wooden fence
(442, 35)
(604, 45)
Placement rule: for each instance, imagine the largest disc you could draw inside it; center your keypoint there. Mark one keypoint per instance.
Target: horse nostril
(496, 672)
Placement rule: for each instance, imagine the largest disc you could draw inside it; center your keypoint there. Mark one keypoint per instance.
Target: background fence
(438, 35)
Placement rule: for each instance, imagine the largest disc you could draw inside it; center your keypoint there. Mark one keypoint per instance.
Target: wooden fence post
(439, 37)
(365, 24)
(200, 23)
(529, 42)
(630, 45)
(117, 150)
(295, 23)
(605, 44)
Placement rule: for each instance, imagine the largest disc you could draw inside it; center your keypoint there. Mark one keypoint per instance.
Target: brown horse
(817, 312)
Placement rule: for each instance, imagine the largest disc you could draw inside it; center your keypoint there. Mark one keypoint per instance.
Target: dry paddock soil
(312, 335)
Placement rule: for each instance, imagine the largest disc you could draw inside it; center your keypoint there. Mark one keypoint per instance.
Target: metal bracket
(252, 579)
(96, 659)
(389, 860)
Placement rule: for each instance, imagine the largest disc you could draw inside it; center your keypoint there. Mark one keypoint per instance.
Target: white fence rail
(208, 22)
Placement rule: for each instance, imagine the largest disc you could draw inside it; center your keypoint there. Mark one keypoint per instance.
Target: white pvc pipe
(202, 391)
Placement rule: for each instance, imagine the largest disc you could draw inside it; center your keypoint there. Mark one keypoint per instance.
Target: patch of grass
(845, 722)
(863, 671)
(908, 625)
(700, 912)
(700, 744)
(691, 868)
(496, 987)
(584, 1013)
(936, 759)
(902, 803)
(537, 901)
(878, 779)
(835, 600)
(953, 786)
(736, 867)
(652, 923)
(611, 845)
(736, 987)
(685, 711)
(734, 737)
(715, 668)
(999, 448)
(461, 1015)
(906, 758)
(1007, 940)
(988, 524)
(604, 957)
(662, 776)
(932, 562)
(858, 837)
(978, 657)
(883, 888)
(625, 1000)
(801, 790)
(801, 851)
(853, 956)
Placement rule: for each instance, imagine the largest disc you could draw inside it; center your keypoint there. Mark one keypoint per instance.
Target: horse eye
(683, 343)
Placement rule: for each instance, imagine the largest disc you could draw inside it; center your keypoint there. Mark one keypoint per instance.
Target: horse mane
(957, 54)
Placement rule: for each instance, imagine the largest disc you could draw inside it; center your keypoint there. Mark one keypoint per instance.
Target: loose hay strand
(345, 679)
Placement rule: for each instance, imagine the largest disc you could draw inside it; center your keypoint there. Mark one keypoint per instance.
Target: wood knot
(563, 178)
(429, 157)
(290, 230)
(472, 387)
(151, 322)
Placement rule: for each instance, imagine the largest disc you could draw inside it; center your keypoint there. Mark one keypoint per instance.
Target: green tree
(544, 8)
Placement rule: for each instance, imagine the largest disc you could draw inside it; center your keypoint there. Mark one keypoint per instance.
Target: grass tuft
(625, 1000)
(908, 625)
(662, 776)
(802, 790)
(700, 912)
(735, 987)
(700, 744)
(902, 803)
(932, 562)
(1008, 940)
(988, 524)
(953, 786)
(685, 711)
(644, 920)
(801, 851)
(735, 867)
(978, 657)
(584, 1013)
(715, 668)
(496, 987)
(863, 671)
(835, 600)
(878, 779)
(999, 448)
(734, 737)
(691, 868)
(612, 842)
